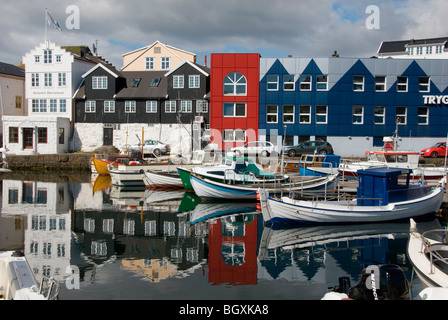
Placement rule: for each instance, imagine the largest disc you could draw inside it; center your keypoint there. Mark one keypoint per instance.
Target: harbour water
(105, 243)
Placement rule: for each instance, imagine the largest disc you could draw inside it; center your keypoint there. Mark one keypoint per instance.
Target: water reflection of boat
(101, 182)
(309, 236)
(209, 210)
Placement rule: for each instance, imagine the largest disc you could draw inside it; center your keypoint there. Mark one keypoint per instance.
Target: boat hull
(161, 179)
(287, 210)
(100, 166)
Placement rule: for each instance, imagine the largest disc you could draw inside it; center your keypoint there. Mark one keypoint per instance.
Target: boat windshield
(372, 157)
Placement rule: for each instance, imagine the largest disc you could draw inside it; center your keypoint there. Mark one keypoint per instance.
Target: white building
(52, 75)
(434, 48)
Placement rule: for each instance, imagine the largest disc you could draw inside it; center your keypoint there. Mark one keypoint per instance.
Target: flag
(52, 22)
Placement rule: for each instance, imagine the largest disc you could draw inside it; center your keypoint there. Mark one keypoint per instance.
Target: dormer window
(99, 82)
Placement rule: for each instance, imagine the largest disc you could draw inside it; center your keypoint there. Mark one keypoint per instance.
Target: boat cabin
(405, 159)
(384, 185)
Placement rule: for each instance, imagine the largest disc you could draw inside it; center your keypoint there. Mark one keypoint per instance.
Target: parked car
(263, 148)
(154, 146)
(309, 147)
(437, 150)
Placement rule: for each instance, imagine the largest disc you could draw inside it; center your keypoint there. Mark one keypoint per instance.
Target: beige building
(156, 57)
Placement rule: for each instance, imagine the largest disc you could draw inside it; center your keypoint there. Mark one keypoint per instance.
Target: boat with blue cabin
(381, 196)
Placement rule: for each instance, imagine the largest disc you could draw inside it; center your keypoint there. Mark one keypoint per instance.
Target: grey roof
(11, 70)
(144, 88)
(400, 46)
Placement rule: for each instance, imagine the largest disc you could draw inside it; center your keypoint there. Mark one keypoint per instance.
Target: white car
(263, 148)
(154, 146)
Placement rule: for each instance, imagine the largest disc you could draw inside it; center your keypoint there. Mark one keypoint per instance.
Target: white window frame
(194, 81)
(305, 114)
(170, 106)
(379, 85)
(357, 115)
(423, 87)
(201, 106)
(402, 116)
(62, 105)
(178, 82)
(404, 86)
(231, 135)
(321, 114)
(151, 106)
(305, 83)
(62, 79)
(165, 63)
(149, 63)
(53, 103)
(358, 83)
(90, 106)
(48, 56)
(109, 106)
(236, 106)
(288, 84)
(380, 115)
(271, 115)
(272, 82)
(288, 115)
(233, 83)
(322, 85)
(35, 77)
(48, 79)
(423, 116)
(130, 106)
(99, 83)
(186, 106)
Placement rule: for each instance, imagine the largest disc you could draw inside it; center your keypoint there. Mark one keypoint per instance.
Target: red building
(234, 98)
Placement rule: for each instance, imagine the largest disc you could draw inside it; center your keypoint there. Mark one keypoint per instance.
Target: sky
(353, 28)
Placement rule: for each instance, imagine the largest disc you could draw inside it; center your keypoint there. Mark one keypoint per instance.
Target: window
(288, 82)
(130, 106)
(193, 81)
(423, 115)
(109, 106)
(357, 114)
(42, 135)
(42, 105)
(321, 114)
(61, 137)
(423, 84)
(419, 50)
(36, 59)
(170, 106)
(48, 56)
(178, 82)
(305, 114)
(155, 82)
(201, 106)
(90, 106)
(165, 63)
(402, 84)
(288, 114)
(439, 49)
(272, 82)
(234, 135)
(401, 115)
(34, 79)
(62, 105)
(13, 135)
(429, 50)
(358, 83)
(18, 102)
(186, 106)
(305, 82)
(135, 82)
(379, 114)
(271, 114)
(149, 63)
(380, 83)
(99, 82)
(62, 81)
(48, 80)
(321, 82)
(53, 105)
(235, 84)
(59, 58)
(34, 105)
(234, 109)
(151, 106)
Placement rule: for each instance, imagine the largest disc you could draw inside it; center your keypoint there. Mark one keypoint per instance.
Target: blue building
(354, 103)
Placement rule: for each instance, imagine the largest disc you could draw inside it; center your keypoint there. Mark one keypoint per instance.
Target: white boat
(428, 253)
(18, 283)
(207, 188)
(313, 165)
(210, 210)
(380, 197)
(162, 179)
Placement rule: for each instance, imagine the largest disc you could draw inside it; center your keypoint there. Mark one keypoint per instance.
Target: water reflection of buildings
(44, 210)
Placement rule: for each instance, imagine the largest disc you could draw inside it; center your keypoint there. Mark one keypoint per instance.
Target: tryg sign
(435, 100)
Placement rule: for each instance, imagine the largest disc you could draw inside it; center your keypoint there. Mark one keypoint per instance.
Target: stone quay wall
(47, 162)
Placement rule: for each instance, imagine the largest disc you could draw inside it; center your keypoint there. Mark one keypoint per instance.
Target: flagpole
(46, 25)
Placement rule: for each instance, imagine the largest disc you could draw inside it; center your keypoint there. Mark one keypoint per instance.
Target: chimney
(205, 60)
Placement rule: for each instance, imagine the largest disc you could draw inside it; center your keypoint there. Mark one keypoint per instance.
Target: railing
(49, 288)
(433, 248)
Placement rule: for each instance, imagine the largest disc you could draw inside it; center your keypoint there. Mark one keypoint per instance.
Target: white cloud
(273, 28)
